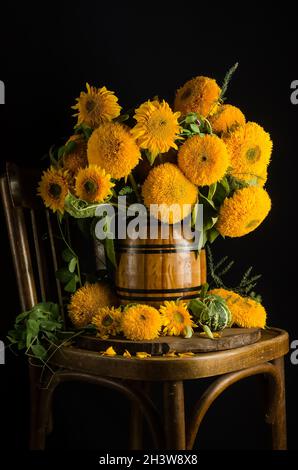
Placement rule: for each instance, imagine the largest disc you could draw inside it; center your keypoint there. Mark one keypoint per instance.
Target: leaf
(48, 325)
(64, 275)
(32, 327)
(227, 80)
(211, 191)
(21, 317)
(207, 202)
(187, 332)
(125, 190)
(61, 151)
(78, 208)
(70, 147)
(72, 264)
(67, 255)
(212, 234)
(71, 285)
(39, 351)
(195, 128)
(190, 118)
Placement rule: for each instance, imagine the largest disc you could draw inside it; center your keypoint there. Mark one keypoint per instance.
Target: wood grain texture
(273, 344)
(231, 338)
(167, 267)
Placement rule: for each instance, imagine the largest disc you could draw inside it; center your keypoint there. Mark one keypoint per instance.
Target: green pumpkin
(211, 313)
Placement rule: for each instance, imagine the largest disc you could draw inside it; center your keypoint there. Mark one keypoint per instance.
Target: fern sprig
(227, 80)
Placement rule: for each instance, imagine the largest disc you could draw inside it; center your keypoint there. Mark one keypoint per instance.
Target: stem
(134, 186)
(74, 254)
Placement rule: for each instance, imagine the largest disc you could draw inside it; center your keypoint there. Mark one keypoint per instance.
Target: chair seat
(273, 344)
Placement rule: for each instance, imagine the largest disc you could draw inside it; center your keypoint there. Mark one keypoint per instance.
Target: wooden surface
(153, 270)
(230, 338)
(273, 344)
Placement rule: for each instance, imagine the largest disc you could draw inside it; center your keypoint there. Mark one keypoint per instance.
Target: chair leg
(278, 424)
(136, 427)
(174, 415)
(34, 374)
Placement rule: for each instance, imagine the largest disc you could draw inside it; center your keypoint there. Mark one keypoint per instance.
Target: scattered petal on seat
(186, 354)
(142, 355)
(109, 352)
(170, 354)
(126, 353)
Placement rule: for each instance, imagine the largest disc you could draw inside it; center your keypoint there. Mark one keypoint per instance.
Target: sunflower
(167, 187)
(97, 106)
(107, 321)
(199, 95)
(203, 160)
(243, 212)
(157, 127)
(250, 149)
(77, 158)
(226, 119)
(86, 301)
(245, 311)
(114, 149)
(141, 322)
(175, 318)
(53, 188)
(93, 184)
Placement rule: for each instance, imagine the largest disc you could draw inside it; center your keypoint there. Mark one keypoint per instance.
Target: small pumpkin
(211, 313)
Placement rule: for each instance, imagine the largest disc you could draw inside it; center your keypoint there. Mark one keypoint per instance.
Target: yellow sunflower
(77, 158)
(250, 149)
(141, 322)
(97, 106)
(243, 212)
(175, 318)
(53, 188)
(107, 321)
(203, 160)
(86, 301)
(157, 127)
(114, 149)
(199, 95)
(226, 119)
(93, 184)
(245, 311)
(167, 187)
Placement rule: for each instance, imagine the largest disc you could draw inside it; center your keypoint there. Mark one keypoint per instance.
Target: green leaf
(67, 255)
(187, 332)
(21, 317)
(149, 156)
(211, 191)
(64, 275)
(78, 208)
(212, 234)
(61, 151)
(207, 202)
(39, 351)
(195, 128)
(72, 264)
(125, 190)
(32, 327)
(121, 118)
(70, 147)
(71, 285)
(190, 118)
(48, 325)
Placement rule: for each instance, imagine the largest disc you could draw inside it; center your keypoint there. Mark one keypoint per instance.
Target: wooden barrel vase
(151, 271)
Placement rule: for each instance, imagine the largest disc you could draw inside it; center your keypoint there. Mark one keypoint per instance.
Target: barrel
(151, 271)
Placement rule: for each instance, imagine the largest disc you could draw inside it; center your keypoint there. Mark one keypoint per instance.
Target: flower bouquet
(198, 162)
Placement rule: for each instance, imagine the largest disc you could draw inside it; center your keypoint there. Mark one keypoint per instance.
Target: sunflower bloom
(250, 149)
(107, 321)
(243, 212)
(203, 160)
(157, 127)
(246, 312)
(113, 148)
(87, 300)
(96, 106)
(175, 318)
(141, 322)
(77, 158)
(226, 119)
(53, 188)
(168, 193)
(93, 184)
(199, 95)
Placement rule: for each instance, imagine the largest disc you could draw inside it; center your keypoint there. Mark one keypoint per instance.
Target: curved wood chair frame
(129, 377)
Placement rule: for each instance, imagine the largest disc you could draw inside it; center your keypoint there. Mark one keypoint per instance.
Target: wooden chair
(24, 215)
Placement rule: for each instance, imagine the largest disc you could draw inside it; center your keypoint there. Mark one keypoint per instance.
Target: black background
(47, 53)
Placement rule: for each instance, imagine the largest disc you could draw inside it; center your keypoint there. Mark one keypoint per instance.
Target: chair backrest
(31, 231)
